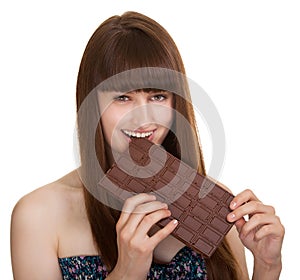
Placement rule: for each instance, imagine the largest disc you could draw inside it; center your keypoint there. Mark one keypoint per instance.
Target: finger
(139, 213)
(243, 197)
(258, 222)
(275, 230)
(250, 208)
(139, 235)
(163, 233)
(149, 207)
(131, 203)
(151, 219)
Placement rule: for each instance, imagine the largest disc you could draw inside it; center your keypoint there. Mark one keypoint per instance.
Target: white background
(244, 54)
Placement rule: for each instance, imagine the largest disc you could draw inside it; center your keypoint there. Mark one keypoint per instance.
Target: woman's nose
(142, 114)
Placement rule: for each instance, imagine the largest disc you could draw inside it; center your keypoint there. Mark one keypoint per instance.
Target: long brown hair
(122, 43)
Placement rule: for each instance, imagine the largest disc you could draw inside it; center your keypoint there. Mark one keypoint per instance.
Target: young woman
(65, 230)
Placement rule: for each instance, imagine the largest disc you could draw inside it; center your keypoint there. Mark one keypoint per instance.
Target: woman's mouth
(137, 134)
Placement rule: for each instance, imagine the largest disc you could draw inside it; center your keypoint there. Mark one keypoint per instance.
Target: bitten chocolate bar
(198, 203)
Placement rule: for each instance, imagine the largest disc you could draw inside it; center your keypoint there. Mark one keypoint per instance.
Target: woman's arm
(33, 240)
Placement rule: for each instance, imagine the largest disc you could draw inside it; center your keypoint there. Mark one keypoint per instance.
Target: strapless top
(186, 264)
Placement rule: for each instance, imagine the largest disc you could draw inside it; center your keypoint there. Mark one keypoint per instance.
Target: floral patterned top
(186, 264)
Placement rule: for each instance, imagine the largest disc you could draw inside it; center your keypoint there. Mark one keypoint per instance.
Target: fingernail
(233, 204)
(175, 222)
(231, 216)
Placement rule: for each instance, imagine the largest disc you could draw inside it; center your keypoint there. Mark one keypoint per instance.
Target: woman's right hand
(135, 246)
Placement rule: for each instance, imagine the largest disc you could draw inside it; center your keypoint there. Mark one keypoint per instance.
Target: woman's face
(135, 114)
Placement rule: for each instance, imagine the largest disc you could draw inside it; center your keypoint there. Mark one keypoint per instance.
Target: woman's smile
(138, 134)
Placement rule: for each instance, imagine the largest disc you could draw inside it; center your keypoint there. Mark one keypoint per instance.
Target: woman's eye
(158, 97)
(122, 98)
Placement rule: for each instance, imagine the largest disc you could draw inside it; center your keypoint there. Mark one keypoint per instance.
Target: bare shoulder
(35, 225)
(49, 200)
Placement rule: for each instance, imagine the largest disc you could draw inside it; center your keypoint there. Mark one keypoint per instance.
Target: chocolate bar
(199, 204)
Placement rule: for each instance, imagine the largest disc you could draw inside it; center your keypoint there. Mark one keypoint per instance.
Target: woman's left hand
(262, 233)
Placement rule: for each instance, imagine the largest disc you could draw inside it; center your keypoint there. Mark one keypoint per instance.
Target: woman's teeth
(137, 134)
